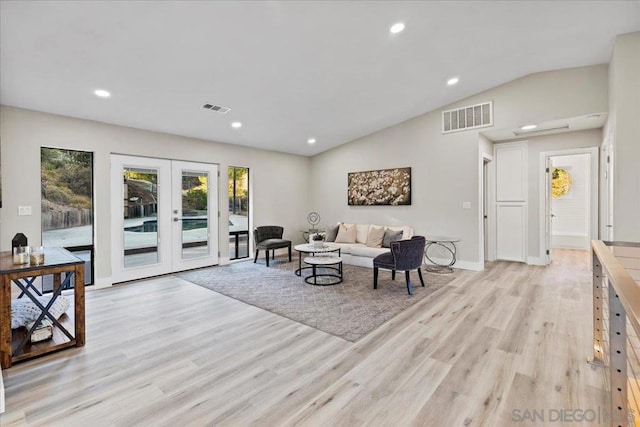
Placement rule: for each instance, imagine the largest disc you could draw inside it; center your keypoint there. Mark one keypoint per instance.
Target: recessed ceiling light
(236, 125)
(311, 140)
(396, 28)
(452, 81)
(528, 127)
(102, 93)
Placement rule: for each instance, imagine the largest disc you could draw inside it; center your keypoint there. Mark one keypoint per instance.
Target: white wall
(279, 182)
(570, 225)
(624, 125)
(445, 168)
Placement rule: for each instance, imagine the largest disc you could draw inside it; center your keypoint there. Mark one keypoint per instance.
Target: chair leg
(409, 288)
(393, 275)
(256, 258)
(375, 277)
(267, 254)
(289, 252)
(420, 275)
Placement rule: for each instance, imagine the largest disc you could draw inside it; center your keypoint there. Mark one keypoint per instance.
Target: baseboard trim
(101, 283)
(463, 265)
(223, 261)
(536, 260)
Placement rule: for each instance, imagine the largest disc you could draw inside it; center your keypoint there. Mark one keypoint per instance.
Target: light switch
(466, 205)
(24, 210)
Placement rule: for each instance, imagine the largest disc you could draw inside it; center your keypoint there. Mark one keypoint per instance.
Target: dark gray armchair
(405, 255)
(269, 238)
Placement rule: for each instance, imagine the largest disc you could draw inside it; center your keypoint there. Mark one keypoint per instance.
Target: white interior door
(164, 216)
(548, 209)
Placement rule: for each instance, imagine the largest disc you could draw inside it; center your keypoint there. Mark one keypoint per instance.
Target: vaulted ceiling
(288, 70)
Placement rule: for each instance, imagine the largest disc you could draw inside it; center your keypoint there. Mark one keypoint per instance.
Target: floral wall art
(380, 187)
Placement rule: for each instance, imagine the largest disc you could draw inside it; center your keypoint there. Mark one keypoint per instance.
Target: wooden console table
(67, 331)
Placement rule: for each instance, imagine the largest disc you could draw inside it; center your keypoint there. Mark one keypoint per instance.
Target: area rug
(349, 310)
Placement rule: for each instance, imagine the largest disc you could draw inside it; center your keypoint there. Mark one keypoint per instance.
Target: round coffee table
(308, 248)
(327, 263)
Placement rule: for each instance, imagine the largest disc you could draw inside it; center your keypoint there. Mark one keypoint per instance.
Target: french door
(163, 216)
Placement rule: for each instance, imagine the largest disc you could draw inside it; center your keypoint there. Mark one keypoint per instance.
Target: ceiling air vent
(217, 108)
(465, 118)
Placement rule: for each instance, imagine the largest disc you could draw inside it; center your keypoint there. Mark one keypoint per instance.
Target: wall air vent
(465, 118)
(217, 108)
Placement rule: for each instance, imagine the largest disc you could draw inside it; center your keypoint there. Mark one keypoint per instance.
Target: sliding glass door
(166, 214)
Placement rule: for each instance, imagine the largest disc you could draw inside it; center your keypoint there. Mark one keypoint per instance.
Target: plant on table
(318, 239)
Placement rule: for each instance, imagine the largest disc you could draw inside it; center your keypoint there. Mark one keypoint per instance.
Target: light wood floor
(167, 352)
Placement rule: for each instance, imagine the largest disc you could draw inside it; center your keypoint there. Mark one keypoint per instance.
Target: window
(238, 212)
(67, 204)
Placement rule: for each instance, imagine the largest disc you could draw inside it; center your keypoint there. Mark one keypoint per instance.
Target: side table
(449, 246)
(15, 346)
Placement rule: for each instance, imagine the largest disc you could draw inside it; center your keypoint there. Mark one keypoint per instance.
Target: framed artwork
(385, 187)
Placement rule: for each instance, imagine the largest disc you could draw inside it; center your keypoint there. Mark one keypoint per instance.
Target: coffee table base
(327, 263)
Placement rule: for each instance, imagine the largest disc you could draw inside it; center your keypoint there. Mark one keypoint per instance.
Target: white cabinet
(511, 201)
(511, 230)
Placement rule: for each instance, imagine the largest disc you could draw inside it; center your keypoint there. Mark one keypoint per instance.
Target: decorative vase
(318, 244)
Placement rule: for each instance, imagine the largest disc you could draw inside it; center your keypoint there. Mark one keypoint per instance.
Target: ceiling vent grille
(465, 118)
(217, 108)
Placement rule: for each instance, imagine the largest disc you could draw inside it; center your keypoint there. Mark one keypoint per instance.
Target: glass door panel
(195, 214)
(140, 216)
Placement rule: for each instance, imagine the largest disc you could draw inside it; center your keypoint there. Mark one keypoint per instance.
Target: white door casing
(545, 201)
(548, 213)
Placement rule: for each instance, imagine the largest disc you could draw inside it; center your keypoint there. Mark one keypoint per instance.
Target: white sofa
(359, 253)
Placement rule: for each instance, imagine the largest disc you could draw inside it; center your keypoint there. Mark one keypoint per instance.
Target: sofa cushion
(366, 251)
(346, 233)
(346, 248)
(362, 232)
(376, 234)
(391, 236)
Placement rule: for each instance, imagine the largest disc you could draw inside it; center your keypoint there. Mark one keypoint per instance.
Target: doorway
(487, 225)
(164, 216)
(569, 200)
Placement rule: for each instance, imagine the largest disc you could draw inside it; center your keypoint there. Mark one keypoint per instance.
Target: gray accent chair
(269, 238)
(405, 255)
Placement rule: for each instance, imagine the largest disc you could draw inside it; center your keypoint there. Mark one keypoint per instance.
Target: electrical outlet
(24, 210)
(466, 205)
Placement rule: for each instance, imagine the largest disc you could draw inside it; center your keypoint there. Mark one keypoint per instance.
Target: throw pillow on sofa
(346, 233)
(331, 234)
(390, 236)
(362, 232)
(376, 234)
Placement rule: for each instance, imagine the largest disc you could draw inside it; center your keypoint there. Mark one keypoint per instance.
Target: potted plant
(318, 240)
